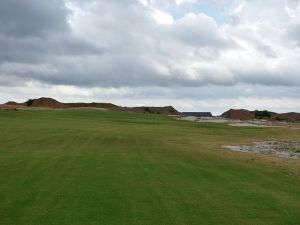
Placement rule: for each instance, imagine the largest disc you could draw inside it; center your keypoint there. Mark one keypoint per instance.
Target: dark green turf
(93, 167)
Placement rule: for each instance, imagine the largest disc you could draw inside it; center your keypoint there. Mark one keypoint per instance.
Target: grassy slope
(93, 167)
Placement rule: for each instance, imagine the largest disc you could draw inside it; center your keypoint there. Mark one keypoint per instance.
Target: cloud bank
(148, 44)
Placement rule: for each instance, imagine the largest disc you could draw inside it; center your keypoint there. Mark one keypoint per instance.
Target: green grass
(92, 167)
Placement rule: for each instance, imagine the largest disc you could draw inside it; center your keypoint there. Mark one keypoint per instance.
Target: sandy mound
(290, 116)
(168, 110)
(8, 107)
(108, 106)
(12, 103)
(242, 114)
(52, 103)
(239, 114)
(45, 102)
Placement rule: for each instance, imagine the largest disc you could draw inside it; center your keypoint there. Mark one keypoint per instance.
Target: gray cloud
(199, 30)
(121, 44)
(32, 17)
(293, 33)
(35, 31)
(37, 49)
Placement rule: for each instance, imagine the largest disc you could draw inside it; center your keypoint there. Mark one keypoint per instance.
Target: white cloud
(162, 17)
(179, 2)
(144, 43)
(144, 2)
(211, 98)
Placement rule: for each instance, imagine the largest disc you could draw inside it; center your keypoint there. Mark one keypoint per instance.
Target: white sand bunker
(285, 149)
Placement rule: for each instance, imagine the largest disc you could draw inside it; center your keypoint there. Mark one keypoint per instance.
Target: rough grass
(94, 167)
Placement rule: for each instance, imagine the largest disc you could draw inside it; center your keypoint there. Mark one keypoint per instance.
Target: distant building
(198, 114)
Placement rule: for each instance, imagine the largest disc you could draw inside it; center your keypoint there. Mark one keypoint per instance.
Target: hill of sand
(290, 116)
(153, 110)
(52, 103)
(45, 103)
(108, 106)
(243, 114)
(8, 107)
(235, 114)
(239, 114)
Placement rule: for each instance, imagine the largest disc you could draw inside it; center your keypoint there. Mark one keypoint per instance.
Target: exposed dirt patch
(248, 125)
(108, 106)
(204, 119)
(243, 114)
(7, 107)
(239, 114)
(45, 102)
(258, 123)
(50, 103)
(291, 116)
(285, 149)
(167, 110)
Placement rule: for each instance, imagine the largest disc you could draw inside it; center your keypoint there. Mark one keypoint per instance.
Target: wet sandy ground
(285, 149)
(239, 123)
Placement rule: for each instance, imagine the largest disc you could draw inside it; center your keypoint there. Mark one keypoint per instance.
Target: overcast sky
(197, 55)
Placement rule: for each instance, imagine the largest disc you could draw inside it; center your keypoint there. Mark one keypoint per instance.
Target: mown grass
(94, 167)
